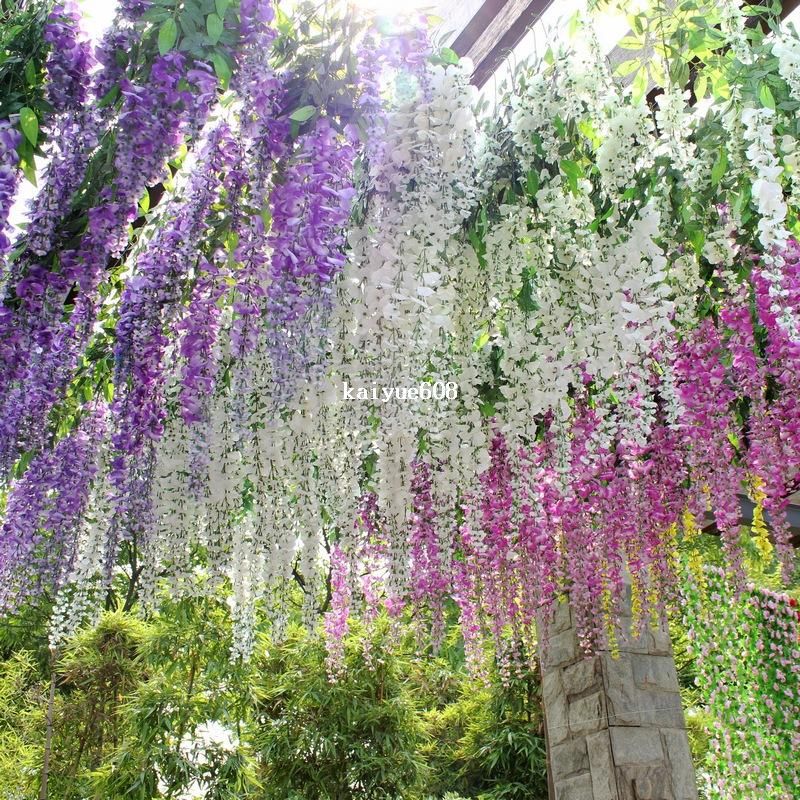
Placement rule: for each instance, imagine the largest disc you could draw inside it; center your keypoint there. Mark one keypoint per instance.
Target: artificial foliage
(246, 210)
(746, 647)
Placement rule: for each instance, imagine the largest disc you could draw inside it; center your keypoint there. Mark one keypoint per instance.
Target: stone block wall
(615, 726)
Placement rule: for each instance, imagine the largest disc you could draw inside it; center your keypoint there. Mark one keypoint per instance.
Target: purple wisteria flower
(10, 139)
(69, 61)
(265, 138)
(310, 208)
(44, 345)
(150, 312)
(45, 512)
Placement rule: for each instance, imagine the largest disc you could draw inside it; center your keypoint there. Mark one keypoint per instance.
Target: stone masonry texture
(615, 726)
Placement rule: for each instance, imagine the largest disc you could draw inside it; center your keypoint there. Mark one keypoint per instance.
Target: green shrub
(489, 743)
(357, 737)
(22, 698)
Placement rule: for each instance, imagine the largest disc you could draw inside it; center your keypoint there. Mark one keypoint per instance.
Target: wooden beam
(788, 7)
(494, 31)
(747, 506)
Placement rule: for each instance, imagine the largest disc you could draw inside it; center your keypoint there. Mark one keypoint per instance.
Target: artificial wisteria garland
(619, 313)
(747, 650)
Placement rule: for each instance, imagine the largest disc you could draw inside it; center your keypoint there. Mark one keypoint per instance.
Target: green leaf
(156, 15)
(720, 165)
(532, 183)
(29, 123)
(700, 87)
(28, 170)
(302, 114)
(627, 67)
(109, 97)
(222, 68)
(22, 464)
(30, 72)
(600, 219)
(214, 26)
(639, 85)
(630, 43)
(448, 55)
(167, 35)
(698, 239)
(766, 97)
(480, 341)
(573, 172)
(222, 7)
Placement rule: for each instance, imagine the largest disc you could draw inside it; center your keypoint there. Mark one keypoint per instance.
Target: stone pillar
(615, 726)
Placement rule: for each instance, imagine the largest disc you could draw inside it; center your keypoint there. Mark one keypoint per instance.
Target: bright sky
(97, 15)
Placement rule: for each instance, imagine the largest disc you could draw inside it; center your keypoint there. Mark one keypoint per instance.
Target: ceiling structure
(488, 31)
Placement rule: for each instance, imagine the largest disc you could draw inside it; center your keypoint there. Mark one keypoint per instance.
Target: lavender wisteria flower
(10, 138)
(70, 59)
(265, 140)
(310, 207)
(150, 309)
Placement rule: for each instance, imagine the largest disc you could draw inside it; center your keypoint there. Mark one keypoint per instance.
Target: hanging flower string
(747, 649)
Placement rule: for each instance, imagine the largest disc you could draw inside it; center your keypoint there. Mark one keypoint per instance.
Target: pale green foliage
(357, 737)
(489, 741)
(187, 681)
(21, 718)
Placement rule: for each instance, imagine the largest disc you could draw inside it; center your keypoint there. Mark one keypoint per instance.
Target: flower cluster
(555, 273)
(10, 138)
(767, 190)
(317, 189)
(747, 648)
(149, 309)
(154, 117)
(46, 511)
(70, 59)
(787, 49)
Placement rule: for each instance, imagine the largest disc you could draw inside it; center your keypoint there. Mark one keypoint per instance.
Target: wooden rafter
(498, 26)
(494, 31)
